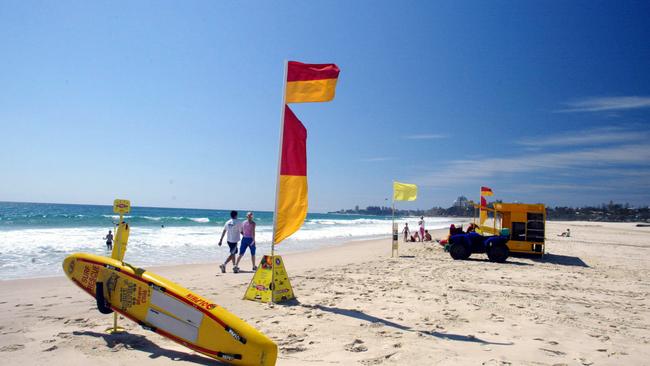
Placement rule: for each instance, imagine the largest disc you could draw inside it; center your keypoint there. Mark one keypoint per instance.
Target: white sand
(585, 303)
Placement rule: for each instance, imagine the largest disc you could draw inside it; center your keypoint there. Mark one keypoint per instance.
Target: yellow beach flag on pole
(404, 191)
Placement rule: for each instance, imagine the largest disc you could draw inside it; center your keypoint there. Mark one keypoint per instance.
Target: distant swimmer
(234, 228)
(109, 240)
(406, 231)
(567, 233)
(248, 241)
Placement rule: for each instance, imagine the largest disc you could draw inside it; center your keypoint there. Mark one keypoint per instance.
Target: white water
(40, 252)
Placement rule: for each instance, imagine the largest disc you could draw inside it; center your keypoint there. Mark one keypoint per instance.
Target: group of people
(236, 230)
(420, 235)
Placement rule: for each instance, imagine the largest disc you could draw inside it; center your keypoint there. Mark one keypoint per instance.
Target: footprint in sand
(377, 360)
(12, 348)
(356, 346)
(553, 352)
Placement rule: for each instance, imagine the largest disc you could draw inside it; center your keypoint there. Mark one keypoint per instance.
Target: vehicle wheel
(459, 251)
(498, 253)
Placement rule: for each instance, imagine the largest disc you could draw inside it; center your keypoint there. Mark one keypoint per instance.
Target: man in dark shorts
(234, 229)
(109, 240)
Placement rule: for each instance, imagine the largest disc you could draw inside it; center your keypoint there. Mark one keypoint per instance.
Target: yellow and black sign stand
(270, 282)
(120, 207)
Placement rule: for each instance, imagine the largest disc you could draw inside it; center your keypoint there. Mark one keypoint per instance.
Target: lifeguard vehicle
(524, 224)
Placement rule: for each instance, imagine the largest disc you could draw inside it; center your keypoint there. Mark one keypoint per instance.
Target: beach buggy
(462, 245)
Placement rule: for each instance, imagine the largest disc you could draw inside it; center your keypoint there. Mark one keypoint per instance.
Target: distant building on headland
(462, 202)
(462, 207)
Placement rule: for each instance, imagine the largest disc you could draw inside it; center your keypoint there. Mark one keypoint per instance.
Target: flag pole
(393, 228)
(277, 182)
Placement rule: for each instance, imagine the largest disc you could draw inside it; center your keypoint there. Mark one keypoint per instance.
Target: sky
(177, 104)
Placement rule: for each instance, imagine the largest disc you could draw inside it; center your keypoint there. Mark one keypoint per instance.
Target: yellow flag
(404, 191)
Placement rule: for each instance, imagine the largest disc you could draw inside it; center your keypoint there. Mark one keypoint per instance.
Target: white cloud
(426, 137)
(544, 165)
(599, 104)
(607, 135)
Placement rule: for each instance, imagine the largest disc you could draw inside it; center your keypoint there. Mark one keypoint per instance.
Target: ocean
(35, 237)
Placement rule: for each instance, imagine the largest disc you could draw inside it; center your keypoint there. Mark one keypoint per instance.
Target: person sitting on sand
(406, 232)
(415, 237)
(567, 233)
(427, 236)
(109, 240)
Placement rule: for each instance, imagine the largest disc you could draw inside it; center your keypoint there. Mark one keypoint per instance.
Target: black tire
(459, 251)
(102, 305)
(498, 253)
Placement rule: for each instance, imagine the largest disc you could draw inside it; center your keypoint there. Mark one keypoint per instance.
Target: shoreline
(37, 253)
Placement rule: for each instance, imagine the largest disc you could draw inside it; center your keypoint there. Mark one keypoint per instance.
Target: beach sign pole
(395, 247)
(401, 192)
(120, 207)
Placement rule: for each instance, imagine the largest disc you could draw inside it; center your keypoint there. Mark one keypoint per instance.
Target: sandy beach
(587, 302)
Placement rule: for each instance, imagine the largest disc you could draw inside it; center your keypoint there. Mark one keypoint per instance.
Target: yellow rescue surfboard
(170, 310)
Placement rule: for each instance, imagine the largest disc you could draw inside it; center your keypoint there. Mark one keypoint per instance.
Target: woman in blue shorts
(248, 241)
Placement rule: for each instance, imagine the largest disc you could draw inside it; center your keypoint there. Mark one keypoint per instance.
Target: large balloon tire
(459, 251)
(498, 253)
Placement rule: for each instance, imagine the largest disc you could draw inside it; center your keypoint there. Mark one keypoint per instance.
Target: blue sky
(178, 103)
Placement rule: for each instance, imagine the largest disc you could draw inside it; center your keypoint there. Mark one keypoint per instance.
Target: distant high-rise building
(461, 202)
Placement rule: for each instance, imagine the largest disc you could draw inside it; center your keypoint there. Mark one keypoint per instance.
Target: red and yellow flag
(305, 83)
(291, 207)
(486, 191)
(311, 82)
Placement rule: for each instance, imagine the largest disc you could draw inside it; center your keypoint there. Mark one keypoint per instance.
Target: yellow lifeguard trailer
(524, 223)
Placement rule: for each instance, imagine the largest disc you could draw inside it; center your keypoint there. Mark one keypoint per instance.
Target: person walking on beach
(406, 232)
(248, 241)
(234, 228)
(421, 223)
(109, 240)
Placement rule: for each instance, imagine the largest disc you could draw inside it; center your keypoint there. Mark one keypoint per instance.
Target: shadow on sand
(141, 343)
(509, 261)
(563, 260)
(357, 314)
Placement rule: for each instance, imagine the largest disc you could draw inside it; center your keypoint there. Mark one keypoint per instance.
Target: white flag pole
(277, 183)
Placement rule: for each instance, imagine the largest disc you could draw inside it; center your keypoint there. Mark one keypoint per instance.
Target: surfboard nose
(68, 265)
